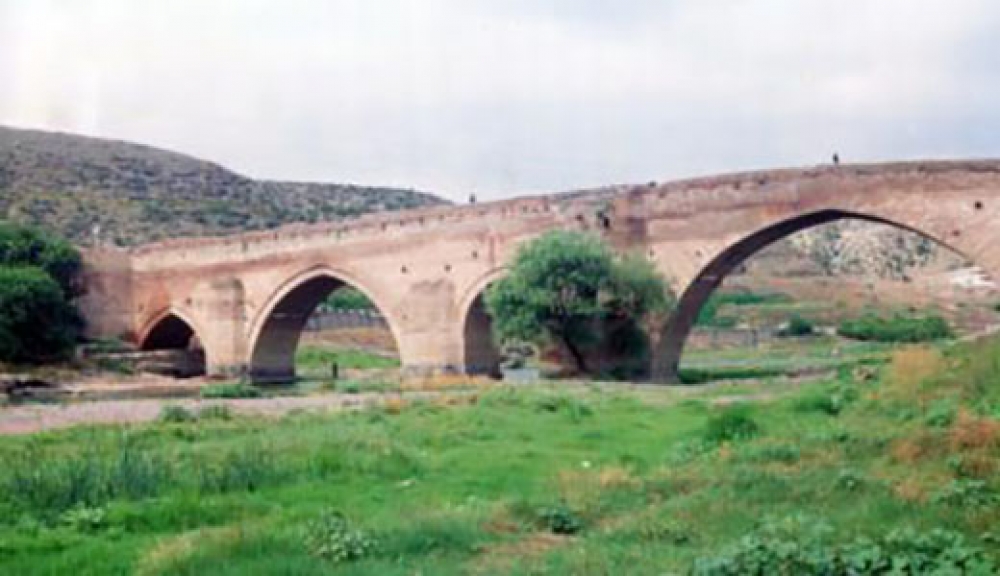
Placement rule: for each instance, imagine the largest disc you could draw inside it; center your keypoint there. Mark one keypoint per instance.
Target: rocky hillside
(72, 184)
(854, 248)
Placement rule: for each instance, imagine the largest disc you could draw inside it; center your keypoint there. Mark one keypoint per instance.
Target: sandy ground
(31, 418)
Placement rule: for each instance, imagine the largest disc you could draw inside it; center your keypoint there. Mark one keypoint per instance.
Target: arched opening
(321, 328)
(733, 262)
(481, 355)
(173, 348)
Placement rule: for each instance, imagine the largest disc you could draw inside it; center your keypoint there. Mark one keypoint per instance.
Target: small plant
(797, 326)
(174, 414)
(231, 390)
(776, 551)
(83, 518)
(966, 493)
(849, 480)
(782, 453)
(872, 328)
(348, 387)
(830, 401)
(560, 519)
(215, 412)
(575, 408)
(941, 414)
(332, 538)
(664, 531)
(732, 424)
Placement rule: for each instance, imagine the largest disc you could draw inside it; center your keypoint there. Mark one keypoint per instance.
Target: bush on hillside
(873, 328)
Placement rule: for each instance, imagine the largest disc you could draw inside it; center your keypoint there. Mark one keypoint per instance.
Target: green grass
(780, 358)
(897, 328)
(541, 480)
(710, 313)
(313, 359)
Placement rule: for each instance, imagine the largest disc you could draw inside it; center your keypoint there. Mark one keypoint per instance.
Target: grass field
(536, 480)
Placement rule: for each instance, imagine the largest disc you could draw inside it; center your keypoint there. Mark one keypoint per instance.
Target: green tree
(569, 288)
(37, 322)
(347, 298)
(24, 246)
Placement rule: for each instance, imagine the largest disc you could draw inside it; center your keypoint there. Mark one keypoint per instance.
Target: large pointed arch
(275, 333)
(675, 333)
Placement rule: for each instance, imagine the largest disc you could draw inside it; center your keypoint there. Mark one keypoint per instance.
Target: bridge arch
(274, 335)
(171, 329)
(674, 335)
(480, 355)
(168, 329)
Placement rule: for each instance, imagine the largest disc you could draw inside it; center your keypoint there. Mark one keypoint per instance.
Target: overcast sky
(507, 97)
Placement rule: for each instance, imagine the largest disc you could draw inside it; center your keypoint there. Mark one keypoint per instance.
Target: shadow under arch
(172, 330)
(168, 329)
(674, 335)
(480, 354)
(279, 325)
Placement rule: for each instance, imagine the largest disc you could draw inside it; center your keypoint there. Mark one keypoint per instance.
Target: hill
(69, 184)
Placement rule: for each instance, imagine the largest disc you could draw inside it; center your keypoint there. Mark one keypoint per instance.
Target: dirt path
(37, 417)
(27, 419)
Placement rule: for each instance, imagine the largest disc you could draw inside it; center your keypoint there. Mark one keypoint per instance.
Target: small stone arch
(169, 329)
(172, 331)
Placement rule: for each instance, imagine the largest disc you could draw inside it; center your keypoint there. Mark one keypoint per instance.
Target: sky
(510, 97)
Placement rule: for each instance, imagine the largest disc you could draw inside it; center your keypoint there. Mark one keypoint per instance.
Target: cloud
(509, 96)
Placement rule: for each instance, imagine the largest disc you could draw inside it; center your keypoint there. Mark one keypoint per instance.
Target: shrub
(21, 246)
(174, 414)
(966, 493)
(37, 322)
(941, 414)
(575, 408)
(560, 519)
(772, 550)
(797, 326)
(215, 412)
(732, 424)
(783, 453)
(84, 519)
(332, 538)
(231, 390)
(438, 533)
(872, 328)
(849, 480)
(831, 401)
(702, 375)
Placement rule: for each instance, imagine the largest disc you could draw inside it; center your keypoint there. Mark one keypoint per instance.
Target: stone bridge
(247, 296)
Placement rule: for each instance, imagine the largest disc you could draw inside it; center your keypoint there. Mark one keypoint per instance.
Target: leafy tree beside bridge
(38, 281)
(571, 290)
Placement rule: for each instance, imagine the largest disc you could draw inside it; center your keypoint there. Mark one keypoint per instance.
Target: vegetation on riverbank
(581, 480)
